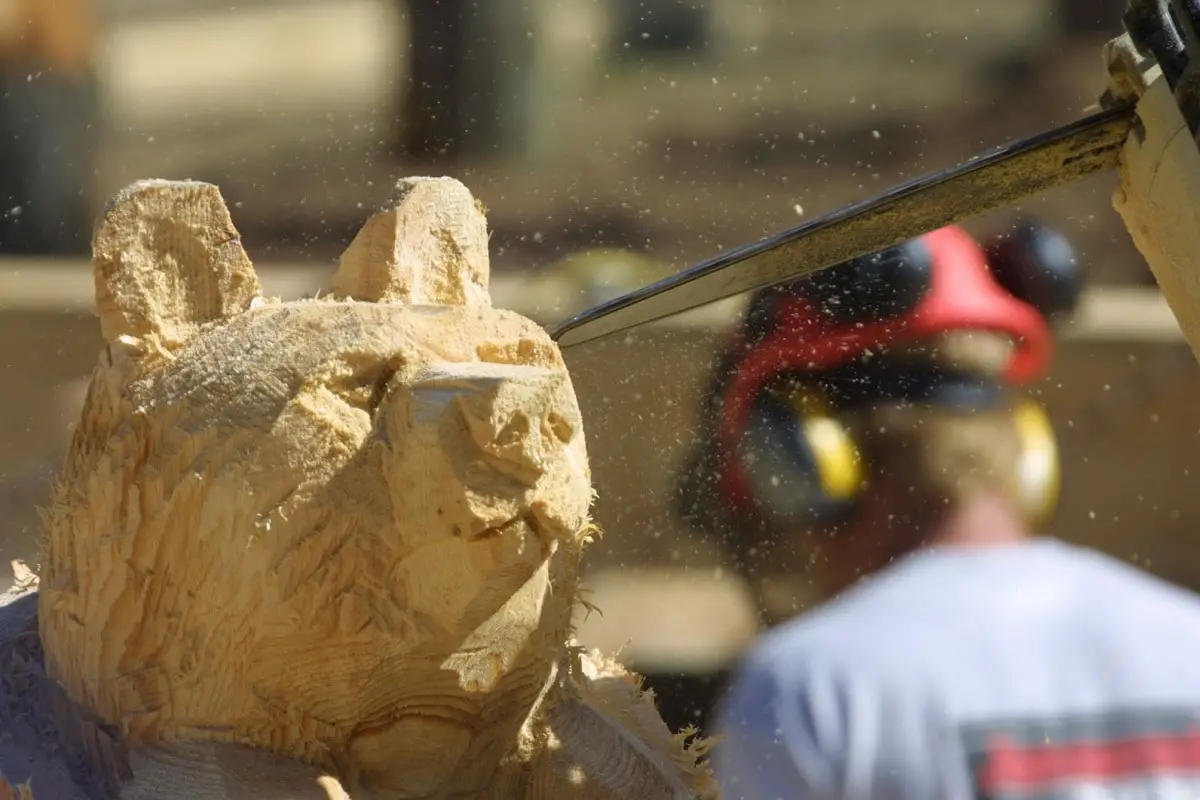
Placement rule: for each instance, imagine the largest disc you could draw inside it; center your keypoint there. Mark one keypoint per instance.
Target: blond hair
(943, 456)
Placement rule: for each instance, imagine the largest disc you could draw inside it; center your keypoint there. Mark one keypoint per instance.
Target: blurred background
(612, 141)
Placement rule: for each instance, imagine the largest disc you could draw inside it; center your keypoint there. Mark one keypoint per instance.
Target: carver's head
(859, 411)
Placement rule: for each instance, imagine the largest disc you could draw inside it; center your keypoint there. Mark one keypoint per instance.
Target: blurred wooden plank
(64, 285)
(263, 58)
(668, 619)
(123, 11)
(1105, 313)
(1123, 314)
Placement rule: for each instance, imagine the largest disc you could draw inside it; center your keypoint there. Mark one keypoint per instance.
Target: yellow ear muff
(1037, 478)
(838, 460)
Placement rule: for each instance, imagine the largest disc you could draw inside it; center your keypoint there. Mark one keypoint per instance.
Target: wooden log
(328, 547)
(1158, 197)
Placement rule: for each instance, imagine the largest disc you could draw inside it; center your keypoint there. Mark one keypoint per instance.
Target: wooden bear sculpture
(319, 549)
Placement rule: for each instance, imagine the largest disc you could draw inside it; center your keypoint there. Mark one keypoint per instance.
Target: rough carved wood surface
(328, 547)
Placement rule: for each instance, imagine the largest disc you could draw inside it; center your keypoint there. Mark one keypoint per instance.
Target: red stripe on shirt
(1010, 765)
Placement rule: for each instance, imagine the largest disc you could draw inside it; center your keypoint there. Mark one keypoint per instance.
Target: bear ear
(166, 260)
(429, 246)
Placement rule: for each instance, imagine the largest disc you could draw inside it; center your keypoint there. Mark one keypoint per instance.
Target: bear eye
(364, 385)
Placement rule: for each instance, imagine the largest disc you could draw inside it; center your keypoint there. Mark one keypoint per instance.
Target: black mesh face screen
(880, 286)
(876, 287)
(883, 381)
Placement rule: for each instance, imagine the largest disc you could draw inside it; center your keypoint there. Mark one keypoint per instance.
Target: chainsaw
(1145, 129)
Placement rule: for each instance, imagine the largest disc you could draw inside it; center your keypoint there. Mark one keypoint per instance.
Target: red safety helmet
(941, 282)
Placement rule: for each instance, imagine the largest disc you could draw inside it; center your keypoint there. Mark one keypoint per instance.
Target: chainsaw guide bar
(1001, 177)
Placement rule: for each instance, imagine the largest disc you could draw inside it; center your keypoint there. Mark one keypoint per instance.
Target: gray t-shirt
(1033, 671)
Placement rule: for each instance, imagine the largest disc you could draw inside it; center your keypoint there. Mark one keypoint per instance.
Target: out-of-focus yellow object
(54, 35)
(20, 791)
(603, 273)
(1038, 480)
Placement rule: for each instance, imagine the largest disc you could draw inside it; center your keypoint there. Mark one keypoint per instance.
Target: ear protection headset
(802, 463)
(779, 451)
